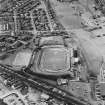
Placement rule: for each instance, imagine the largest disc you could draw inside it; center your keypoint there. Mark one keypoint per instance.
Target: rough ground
(93, 47)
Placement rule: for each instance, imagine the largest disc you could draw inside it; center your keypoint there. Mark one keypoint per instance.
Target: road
(50, 89)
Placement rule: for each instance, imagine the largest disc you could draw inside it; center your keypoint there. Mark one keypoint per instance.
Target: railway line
(39, 84)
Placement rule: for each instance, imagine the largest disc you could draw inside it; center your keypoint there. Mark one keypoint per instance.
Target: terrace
(28, 6)
(40, 20)
(24, 22)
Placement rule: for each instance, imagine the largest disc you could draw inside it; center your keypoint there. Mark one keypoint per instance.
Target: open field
(93, 47)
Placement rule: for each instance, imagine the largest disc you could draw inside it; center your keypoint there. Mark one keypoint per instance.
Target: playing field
(54, 60)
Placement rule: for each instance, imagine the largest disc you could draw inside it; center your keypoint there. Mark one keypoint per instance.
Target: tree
(2, 103)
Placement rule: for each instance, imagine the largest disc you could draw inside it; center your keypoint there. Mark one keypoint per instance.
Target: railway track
(17, 79)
